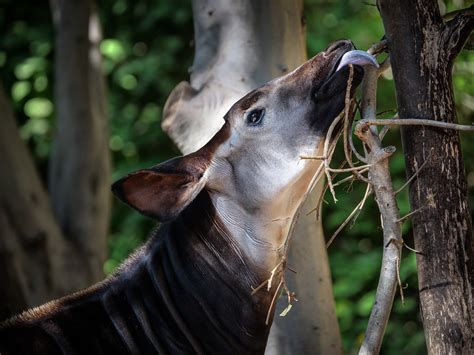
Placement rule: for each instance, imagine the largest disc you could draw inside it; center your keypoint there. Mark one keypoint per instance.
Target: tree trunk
(31, 269)
(238, 49)
(422, 50)
(41, 259)
(79, 176)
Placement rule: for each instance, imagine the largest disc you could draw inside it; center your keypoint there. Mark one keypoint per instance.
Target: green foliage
(147, 50)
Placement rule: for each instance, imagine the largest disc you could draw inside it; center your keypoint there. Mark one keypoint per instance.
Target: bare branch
(382, 187)
(415, 122)
(466, 12)
(457, 31)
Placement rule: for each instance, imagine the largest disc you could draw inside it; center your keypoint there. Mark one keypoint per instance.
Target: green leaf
(38, 107)
(20, 90)
(26, 69)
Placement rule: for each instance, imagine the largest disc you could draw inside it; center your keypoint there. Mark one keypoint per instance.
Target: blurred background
(147, 48)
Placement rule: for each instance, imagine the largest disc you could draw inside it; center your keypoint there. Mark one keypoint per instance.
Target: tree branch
(381, 185)
(80, 164)
(415, 122)
(457, 31)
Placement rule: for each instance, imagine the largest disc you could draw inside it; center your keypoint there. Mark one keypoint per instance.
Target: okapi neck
(210, 281)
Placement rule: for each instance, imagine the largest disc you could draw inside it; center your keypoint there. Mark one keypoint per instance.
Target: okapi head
(252, 168)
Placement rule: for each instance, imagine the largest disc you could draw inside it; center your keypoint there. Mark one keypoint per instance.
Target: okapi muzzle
(225, 211)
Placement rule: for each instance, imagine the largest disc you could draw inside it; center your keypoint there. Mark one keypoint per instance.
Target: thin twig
(402, 219)
(356, 153)
(349, 170)
(272, 274)
(326, 154)
(383, 132)
(316, 177)
(348, 178)
(317, 157)
(359, 207)
(267, 320)
(417, 172)
(402, 296)
(321, 196)
(411, 249)
(259, 287)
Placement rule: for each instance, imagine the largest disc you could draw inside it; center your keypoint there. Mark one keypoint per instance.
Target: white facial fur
(257, 179)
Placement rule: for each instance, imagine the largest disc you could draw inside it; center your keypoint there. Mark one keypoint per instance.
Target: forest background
(147, 49)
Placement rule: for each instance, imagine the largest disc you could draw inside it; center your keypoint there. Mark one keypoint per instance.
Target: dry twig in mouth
(348, 119)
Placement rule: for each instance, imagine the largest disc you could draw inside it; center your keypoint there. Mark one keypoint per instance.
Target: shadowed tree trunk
(50, 247)
(422, 51)
(31, 242)
(79, 174)
(240, 45)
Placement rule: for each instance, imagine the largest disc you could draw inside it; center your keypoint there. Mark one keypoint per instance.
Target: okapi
(225, 212)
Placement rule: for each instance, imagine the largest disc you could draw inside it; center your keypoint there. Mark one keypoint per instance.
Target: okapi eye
(254, 117)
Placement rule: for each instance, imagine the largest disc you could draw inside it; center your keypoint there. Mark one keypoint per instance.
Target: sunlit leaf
(41, 83)
(112, 48)
(20, 90)
(27, 68)
(128, 82)
(38, 107)
(116, 143)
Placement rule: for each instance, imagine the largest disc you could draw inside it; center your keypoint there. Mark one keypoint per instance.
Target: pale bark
(79, 176)
(422, 50)
(240, 45)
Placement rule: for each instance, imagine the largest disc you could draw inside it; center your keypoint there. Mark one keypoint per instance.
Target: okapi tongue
(357, 57)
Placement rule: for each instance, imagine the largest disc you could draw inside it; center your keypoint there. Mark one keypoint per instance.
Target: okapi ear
(164, 190)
